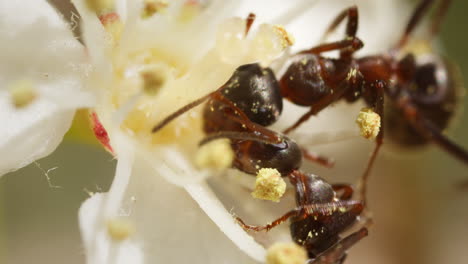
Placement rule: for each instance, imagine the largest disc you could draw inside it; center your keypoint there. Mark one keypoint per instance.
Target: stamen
(99, 6)
(369, 123)
(189, 11)
(153, 80)
(22, 93)
(286, 253)
(269, 185)
(112, 24)
(217, 154)
(120, 229)
(152, 7)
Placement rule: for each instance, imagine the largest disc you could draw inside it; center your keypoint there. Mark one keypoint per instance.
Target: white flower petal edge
(99, 247)
(170, 226)
(36, 46)
(99, 209)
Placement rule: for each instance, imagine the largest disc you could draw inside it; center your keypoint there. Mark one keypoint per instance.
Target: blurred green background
(420, 216)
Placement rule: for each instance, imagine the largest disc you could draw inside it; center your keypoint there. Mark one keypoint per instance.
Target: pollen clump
(369, 123)
(269, 185)
(286, 253)
(217, 154)
(286, 38)
(22, 93)
(120, 229)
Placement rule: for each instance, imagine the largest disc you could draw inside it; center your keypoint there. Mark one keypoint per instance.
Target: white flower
(152, 211)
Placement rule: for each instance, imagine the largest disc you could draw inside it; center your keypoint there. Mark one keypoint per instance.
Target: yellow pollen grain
(22, 93)
(269, 185)
(153, 81)
(99, 6)
(217, 154)
(152, 7)
(286, 38)
(286, 253)
(369, 123)
(119, 229)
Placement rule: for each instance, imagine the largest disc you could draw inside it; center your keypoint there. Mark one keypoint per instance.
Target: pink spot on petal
(100, 132)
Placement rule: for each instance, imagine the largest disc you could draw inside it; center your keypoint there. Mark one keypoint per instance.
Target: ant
(421, 88)
(319, 218)
(239, 110)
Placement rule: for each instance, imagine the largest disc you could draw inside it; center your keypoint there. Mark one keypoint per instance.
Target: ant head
(255, 91)
(312, 189)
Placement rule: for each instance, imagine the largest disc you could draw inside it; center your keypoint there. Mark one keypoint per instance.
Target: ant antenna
(238, 136)
(179, 112)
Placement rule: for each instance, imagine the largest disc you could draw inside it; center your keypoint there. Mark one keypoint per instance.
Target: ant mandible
(421, 89)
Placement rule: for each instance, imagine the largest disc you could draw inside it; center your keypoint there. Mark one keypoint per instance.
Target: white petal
(99, 247)
(95, 38)
(31, 134)
(173, 227)
(36, 45)
(170, 226)
(208, 201)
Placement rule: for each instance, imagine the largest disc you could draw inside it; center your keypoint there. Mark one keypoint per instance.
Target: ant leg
(439, 16)
(268, 226)
(351, 26)
(348, 45)
(337, 253)
(430, 131)
(248, 22)
(417, 16)
(346, 189)
(363, 180)
(323, 209)
(314, 157)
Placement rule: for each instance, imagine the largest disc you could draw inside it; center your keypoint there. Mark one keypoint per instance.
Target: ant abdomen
(253, 155)
(255, 91)
(434, 91)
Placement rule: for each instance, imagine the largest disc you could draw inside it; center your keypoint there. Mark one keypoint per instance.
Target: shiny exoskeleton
(239, 110)
(320, 217)
(421, 89)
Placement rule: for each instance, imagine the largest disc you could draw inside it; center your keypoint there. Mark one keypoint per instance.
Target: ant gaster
(239, 111)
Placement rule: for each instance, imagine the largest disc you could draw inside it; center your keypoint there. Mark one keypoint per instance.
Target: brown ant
(239, 110)
(319, 218)
(421, 88)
